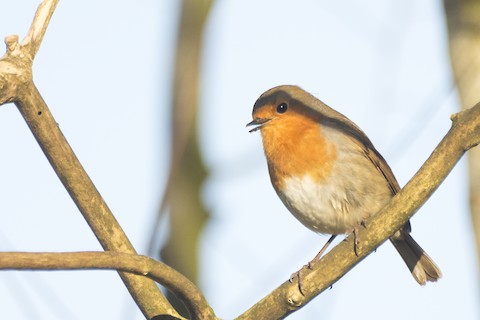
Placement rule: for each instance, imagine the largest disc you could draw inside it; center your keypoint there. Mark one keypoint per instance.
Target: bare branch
(34, 38)
(16, 85)
(85, 195)
(463, 135)
(183, 288)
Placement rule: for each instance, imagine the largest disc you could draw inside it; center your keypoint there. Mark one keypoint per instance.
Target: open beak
(258, 122)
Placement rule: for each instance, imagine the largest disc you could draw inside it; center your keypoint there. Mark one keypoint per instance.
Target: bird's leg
(310, 264)
(320, 253)
(355, 241)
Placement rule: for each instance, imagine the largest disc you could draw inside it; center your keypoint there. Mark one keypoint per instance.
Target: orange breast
(295, 146)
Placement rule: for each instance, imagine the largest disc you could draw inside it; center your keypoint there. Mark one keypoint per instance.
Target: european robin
(327, 172)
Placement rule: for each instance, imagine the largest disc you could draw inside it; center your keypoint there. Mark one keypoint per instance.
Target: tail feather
(421, 266)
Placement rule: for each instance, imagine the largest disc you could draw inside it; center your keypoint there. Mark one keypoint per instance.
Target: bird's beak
(258, 122)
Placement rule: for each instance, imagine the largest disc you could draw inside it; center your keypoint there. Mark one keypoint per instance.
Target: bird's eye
(282, 107)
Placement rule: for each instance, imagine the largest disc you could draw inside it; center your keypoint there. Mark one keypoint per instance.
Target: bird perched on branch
(327, 172)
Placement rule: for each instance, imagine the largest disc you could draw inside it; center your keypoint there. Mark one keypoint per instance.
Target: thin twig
(37, 30)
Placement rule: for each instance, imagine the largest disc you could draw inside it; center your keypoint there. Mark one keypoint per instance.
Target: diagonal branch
(16, 85)
(183, 288)
(463, 135)
(85, 195)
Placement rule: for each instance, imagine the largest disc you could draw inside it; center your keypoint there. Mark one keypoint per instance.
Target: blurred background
(153, 97)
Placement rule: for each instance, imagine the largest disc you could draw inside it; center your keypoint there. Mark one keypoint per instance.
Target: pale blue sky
(104, 70)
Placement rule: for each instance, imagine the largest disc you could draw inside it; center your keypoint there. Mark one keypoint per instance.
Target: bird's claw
(299, 277)
(356, 240)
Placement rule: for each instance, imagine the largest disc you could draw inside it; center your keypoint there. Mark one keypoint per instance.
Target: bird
(327, 172)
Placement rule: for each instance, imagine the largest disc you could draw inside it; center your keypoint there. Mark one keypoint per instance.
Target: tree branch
(37, 30)
(16, 85)
(183, 288)
(463, 135)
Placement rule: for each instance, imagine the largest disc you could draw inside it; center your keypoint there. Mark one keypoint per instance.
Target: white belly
(336, 205)
(319, 206)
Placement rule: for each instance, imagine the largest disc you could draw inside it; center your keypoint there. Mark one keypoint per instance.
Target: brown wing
(382, 166)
